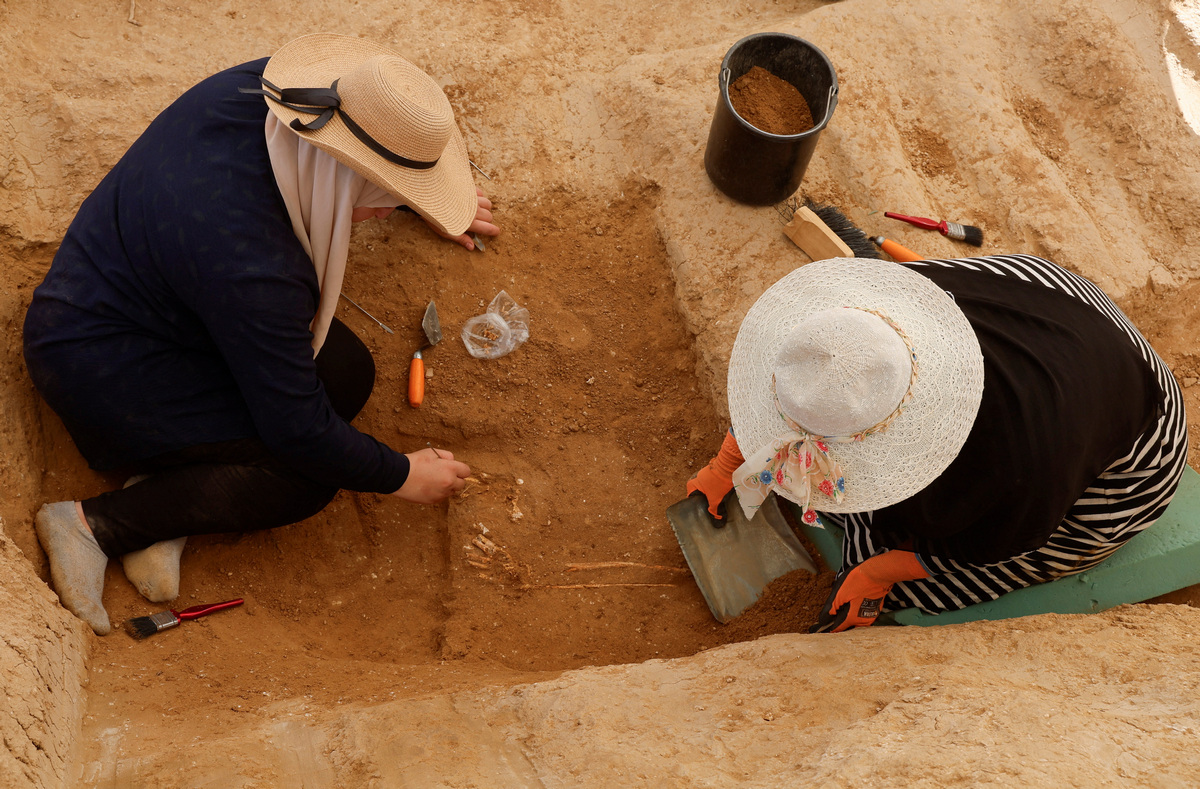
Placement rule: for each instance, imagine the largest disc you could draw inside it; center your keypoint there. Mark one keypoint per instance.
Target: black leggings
(230, 486)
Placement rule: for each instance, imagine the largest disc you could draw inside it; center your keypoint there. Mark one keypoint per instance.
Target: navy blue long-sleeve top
(176, 311)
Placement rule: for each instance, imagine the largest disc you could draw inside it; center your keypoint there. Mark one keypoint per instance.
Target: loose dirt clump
(789, 604)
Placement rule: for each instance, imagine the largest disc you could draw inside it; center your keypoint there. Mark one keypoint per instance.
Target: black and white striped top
(1126, 496)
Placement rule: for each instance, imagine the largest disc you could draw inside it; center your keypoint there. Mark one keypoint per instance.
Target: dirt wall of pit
(1106, 700)
(42, 673)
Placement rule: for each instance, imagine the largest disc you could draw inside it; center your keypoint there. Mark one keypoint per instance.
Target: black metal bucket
(751, 165)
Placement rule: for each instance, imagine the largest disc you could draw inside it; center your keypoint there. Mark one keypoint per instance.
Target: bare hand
(482, 224)
(433, 476)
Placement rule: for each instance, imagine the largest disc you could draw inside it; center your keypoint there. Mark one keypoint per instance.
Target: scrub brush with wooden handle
(824, 232)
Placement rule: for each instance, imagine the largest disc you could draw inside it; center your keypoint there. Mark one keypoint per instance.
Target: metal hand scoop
(416, 369)
(733, 564)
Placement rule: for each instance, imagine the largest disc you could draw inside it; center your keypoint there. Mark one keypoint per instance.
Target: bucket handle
(830, 103)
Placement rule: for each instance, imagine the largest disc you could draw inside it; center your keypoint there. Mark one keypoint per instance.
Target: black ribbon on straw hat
(327, 102)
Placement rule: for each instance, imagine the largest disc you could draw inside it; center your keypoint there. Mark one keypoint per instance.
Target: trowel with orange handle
(416, 369)
(898, 253)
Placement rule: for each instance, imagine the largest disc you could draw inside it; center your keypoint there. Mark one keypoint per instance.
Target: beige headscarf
(321, 194)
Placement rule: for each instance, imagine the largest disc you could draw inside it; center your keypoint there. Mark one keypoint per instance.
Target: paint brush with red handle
(144, 626)
(972, 235)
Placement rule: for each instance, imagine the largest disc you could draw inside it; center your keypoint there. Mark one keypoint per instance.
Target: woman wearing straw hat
(186, 327)
(976, 426)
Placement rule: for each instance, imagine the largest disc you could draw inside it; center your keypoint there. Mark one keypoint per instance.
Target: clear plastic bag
(498, 331)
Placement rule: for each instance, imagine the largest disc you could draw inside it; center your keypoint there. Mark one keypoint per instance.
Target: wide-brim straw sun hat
(390, 121)
(895, 381)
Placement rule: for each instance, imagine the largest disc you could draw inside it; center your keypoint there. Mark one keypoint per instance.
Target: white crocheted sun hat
(890, 387)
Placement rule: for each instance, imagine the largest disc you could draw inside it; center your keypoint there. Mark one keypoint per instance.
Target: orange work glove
(716, 479)
(858, 593)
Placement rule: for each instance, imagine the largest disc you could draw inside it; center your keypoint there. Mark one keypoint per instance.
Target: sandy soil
(1053, 129)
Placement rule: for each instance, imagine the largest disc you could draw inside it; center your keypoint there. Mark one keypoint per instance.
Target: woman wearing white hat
(976, 426)
(186, 327)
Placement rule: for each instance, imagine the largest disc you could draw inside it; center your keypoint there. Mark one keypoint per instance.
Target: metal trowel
(416, 368)
(732, 564)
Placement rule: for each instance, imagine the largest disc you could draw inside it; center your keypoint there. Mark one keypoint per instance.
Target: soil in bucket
(748, 163)
(770, 103)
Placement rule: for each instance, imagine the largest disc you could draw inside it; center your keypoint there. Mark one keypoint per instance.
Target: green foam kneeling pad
(1161, 559)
